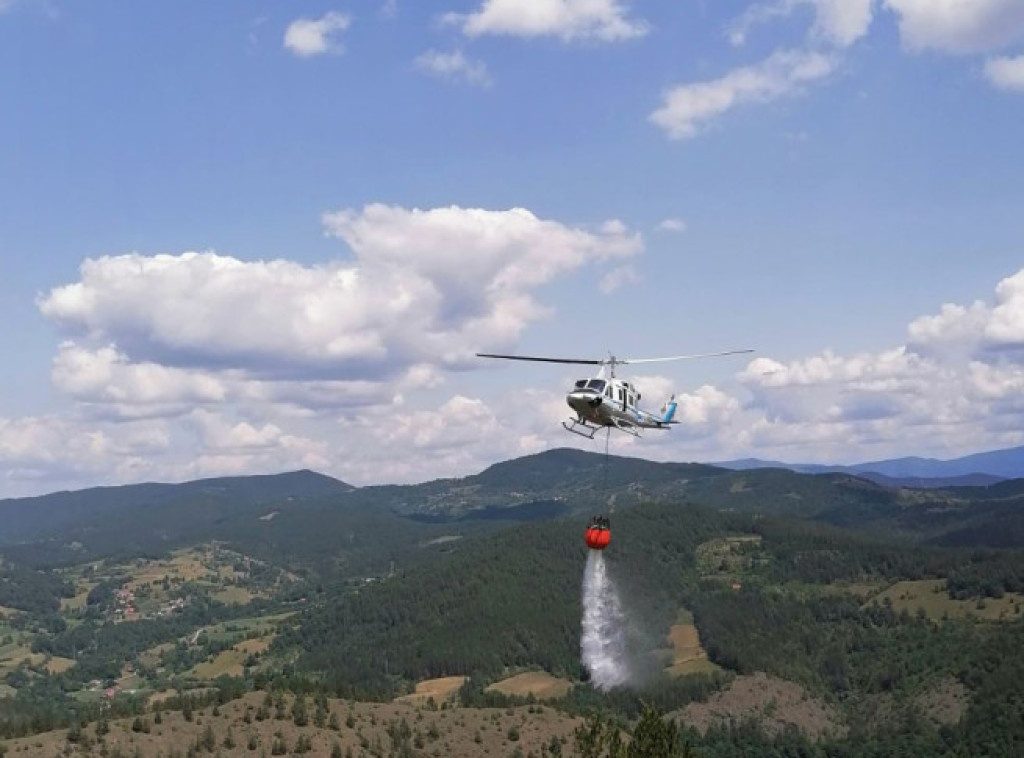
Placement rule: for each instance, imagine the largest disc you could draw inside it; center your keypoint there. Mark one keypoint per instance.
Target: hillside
(23, 518)
(296, 518)
(848, 595)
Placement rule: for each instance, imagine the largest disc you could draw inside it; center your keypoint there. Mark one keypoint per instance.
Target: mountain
(327, 526)
(24, 518)
(978, 469)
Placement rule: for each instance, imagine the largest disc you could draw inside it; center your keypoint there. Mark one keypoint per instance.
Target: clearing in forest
(439, 689)
(930, 596)
(57, 665)
(226, 663)
(233, 596)
(687, 654)
(730, 558)
(540, 684)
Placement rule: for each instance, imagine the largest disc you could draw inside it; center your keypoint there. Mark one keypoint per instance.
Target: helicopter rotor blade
(585, 361)
(682, 357)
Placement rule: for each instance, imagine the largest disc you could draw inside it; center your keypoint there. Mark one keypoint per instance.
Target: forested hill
(23, 518)
(297, 517)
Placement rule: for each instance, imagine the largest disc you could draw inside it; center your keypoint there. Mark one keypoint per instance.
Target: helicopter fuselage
(600, 402)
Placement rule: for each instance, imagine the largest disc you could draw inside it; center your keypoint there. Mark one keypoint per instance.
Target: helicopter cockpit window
(581, 383)
(596, 384)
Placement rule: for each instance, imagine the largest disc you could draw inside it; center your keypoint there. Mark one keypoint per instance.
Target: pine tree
(209, 740)
(653, 737)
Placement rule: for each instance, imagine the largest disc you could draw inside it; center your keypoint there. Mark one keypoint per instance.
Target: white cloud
(672, 225)
(308, 37)
(979, 331)
(838, 22)
(958, 26)
(111, 385)
(955, 386)
(1006, 73)
(842, 22)
(690, 107)
(455, 66)
(617, 278)
(569, 20)
(426, 288)
(196, 364)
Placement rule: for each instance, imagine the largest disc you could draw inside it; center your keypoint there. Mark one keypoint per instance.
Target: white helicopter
(606, 401)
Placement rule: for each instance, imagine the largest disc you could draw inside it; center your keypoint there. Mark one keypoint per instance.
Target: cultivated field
(540, 684)
(438, 690)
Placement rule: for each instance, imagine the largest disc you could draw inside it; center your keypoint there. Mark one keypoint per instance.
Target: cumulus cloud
(308, 37)
(958, 26)
(111, 385)
(838, 22)
(454, 66)
(955, 384)
(688, 108)
(44, 453)
(426, 288)
(569, 20)
(1006, 73)
(224, 366)
(979, 331)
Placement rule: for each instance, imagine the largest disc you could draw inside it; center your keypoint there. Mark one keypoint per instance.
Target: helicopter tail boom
(670, 410)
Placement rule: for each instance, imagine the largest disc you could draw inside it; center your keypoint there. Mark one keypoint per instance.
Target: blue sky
(815, 179)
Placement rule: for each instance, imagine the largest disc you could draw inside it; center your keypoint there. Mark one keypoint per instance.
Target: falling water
(604, 627)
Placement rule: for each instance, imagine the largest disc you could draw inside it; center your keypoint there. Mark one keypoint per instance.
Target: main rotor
(611, 361)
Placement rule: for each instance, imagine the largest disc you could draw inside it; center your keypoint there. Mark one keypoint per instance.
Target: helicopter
(605, 401)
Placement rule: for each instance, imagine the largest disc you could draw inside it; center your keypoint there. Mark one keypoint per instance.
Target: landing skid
(573, 425)
(583, 429)
(627, 428)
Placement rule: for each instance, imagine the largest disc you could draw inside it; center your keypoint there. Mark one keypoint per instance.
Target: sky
(253, 236)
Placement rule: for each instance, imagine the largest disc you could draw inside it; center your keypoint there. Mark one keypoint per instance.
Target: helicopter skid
(574, 425)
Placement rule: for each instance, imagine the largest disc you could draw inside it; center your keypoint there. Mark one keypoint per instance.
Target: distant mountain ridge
(978, 469)
(22, 518)
(317, 517)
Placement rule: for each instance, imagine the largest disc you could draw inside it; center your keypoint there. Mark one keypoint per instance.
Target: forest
(812, 580)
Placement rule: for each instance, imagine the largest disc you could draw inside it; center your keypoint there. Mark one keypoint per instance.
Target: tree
(598, 737)
(653, 737)
(299, 714)
(209, 740)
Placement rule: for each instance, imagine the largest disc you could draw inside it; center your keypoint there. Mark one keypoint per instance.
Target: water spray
(604, 627)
